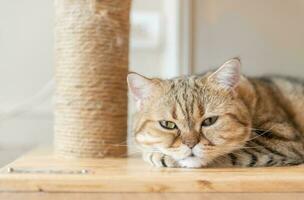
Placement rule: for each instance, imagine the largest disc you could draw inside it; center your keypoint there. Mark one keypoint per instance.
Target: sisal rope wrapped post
(91, 50)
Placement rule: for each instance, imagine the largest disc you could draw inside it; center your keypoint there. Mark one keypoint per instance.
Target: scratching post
(91, 48)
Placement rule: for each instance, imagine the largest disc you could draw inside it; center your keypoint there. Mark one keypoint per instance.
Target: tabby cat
(219, 119)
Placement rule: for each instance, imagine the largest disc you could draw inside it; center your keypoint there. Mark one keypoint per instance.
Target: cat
(219, 119)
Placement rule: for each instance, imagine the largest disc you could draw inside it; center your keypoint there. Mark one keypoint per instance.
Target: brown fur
(260, 122)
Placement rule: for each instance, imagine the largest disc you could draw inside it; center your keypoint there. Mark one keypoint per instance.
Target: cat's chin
(191, 162)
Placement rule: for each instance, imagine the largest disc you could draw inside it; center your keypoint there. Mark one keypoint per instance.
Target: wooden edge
(133, 175)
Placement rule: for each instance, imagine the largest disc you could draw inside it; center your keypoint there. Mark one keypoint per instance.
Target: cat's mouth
(190, 155)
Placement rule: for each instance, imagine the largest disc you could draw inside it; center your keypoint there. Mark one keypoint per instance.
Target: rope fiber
(91, 48)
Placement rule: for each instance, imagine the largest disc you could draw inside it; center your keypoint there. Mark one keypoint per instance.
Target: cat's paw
(159, 159)
(191, 162)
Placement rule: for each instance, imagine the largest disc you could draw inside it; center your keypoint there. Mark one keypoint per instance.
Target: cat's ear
(140, 87)
(229, 74)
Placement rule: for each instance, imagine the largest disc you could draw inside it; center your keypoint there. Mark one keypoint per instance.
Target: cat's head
(195, 116)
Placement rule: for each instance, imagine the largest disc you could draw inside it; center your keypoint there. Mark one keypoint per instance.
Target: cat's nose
(191, 142)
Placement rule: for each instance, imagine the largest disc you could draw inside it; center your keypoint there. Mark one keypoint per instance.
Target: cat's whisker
(259, 135)
(257, 129)
(120, 145)
(247, 147)
(140, 151)
(132, 153)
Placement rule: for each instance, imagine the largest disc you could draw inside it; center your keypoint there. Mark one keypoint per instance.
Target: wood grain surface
(41, 171)
(151, 196)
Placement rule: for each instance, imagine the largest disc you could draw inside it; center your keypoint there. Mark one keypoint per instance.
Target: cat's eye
(167, 125)
(209, 121)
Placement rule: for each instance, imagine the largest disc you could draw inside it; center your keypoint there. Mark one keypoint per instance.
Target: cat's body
(277, 138)
(220, 119)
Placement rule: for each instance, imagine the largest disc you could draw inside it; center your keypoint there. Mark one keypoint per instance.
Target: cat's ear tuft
(140, 87)
(229, 74)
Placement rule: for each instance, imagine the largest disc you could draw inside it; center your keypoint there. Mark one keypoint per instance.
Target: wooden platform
(40, 172)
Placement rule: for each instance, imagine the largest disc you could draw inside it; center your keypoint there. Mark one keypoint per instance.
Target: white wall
(26, 64)
(267, 34)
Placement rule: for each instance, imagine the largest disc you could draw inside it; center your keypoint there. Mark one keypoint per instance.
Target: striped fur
(260, 122)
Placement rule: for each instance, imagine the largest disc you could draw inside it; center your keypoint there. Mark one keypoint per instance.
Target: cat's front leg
(159, 159)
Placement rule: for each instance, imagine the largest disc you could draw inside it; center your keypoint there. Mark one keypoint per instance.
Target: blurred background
(169, 38)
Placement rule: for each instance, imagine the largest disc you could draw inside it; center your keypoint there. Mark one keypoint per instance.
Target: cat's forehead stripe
(185, 93)
(174, 116)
